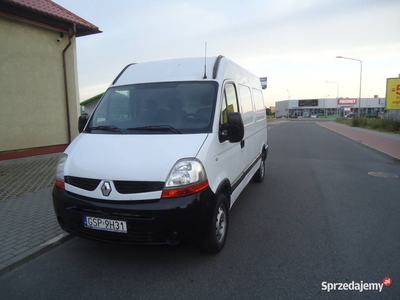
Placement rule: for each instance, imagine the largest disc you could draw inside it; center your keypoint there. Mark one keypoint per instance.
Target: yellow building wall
(32, 93)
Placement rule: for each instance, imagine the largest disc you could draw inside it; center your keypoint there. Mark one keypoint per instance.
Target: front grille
(132, 187)
(123, 187)
(83, 183)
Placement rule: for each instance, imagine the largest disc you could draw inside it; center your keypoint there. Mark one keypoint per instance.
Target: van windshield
(156, 108)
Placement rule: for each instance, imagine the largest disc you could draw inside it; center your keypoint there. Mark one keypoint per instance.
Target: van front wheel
(217, 228)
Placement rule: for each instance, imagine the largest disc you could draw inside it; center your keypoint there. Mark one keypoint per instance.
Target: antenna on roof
(205, 62)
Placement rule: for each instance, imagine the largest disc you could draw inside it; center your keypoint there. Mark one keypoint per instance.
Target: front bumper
(159, 221)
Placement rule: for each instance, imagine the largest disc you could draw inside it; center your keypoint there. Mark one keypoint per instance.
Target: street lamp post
(337, 96)
(326, 96)
(359, 94)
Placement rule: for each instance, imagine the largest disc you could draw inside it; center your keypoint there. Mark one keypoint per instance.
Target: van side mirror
(83, 119)
(233, 131)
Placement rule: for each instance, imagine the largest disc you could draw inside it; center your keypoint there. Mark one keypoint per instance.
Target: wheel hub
(220, 224)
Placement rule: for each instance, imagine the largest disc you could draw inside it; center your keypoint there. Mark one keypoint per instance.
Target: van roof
(185, 69)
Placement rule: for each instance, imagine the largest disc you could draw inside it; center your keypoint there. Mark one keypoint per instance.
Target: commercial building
(330, 107)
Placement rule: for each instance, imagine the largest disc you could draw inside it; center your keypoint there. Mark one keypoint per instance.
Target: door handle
(242, 144)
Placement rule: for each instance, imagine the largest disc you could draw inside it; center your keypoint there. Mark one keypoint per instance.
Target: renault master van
(165, 154)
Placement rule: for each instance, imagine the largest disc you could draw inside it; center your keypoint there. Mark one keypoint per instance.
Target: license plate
(105, 224)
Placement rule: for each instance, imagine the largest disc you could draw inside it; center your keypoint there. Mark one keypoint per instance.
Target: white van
(165, 154)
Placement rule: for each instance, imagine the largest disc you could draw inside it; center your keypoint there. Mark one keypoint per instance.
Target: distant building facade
(329, 107)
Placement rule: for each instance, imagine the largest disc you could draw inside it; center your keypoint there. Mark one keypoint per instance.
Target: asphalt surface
(318, 217)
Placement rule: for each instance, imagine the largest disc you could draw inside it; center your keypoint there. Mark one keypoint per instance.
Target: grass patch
(344, 121)
(384, 125)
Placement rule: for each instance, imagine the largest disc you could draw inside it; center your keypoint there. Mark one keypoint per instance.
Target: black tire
(216, 232)
(260, 174)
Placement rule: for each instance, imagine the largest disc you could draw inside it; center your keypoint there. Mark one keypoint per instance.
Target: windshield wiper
(107, 128)
(157, 128)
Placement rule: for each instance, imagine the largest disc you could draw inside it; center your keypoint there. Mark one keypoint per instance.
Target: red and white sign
(387, 281)
(347, 101)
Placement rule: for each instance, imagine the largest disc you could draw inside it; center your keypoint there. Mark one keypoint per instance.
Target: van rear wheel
(217, 228)
(260, 174)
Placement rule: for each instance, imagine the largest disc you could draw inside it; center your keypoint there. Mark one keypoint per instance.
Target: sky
(292, 42)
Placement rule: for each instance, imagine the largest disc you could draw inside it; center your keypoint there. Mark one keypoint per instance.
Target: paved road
(318, 217)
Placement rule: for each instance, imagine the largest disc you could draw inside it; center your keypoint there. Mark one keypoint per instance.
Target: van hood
(129, 157)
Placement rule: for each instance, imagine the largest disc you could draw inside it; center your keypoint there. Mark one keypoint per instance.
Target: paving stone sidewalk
(19, 176)
(27, 221)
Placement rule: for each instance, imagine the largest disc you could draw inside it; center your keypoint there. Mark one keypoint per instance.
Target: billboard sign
(347, 101)
(309, 102)
(393, 93)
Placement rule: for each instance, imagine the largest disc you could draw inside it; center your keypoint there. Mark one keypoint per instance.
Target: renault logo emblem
(106, 188)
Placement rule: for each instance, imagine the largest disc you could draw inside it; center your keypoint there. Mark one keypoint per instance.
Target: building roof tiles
(51, 9)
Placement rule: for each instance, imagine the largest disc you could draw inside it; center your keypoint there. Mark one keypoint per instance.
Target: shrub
(364, 122)
(343, 121)
(376, 124)
(387, 125)
(355, 122)
(390, 125)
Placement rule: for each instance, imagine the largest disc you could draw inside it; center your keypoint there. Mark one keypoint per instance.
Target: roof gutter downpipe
(71, 34)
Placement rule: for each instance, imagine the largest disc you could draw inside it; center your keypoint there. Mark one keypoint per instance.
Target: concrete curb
(35, 252)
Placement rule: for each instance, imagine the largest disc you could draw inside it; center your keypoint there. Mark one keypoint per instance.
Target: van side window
(259, 105)
(246, 103)
(229, 102)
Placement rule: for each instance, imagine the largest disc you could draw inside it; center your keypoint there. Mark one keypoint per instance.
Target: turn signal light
(171, 193)
(60, 184)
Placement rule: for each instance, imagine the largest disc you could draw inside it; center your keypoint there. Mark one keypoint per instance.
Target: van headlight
(60, 171)
(186, 177)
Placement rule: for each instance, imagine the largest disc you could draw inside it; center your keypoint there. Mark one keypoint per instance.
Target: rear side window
(229, 102)
(259, 105)
(247, 104)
